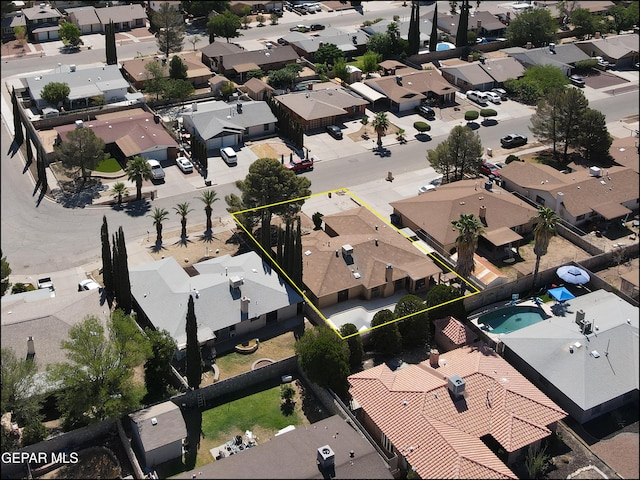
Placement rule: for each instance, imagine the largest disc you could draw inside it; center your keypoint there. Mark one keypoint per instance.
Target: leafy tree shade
(157, 368)
(369, 62)
(82, 149)
(193, 355)
(158, 216)
(107, 259)
(177, 68)
(324, 358)
(594, 139)
(459, 154)
(623, 17)
(170, 25)
(443, 298)
(381, 44)
(415, 328)
(433, 38)
(225, 26)
(340, 69)
(469, 229)
(463, 25)
(204, 8)
(584, 23)
(573, 105)
(97, 381)
(328, 53)
(546, 227)
(387, 339)
(234, 204)
(55, 93)
(284, 77)
(110, 43)
(356, 351)
(535, 25)
(545, 122)
(70, 33)
(6, 271)
(137, 171)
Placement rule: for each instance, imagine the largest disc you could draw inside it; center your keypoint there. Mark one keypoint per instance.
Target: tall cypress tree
(124, 301)
(298, 255)
(115, 268)
(110, 44)
(107, 261)
(433, 39)
(414, 29)
(17, 119)
(193, 356)
(463, 25)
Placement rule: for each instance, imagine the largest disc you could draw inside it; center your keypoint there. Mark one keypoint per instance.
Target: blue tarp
(561, 294)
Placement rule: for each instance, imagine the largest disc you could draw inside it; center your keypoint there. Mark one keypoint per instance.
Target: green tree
(177, 89)
(414, 29)
(193, 39)
(177, 68)
(459, 154)
(204, 8)
(573, 105)
(157, 368)
(70, 33)
(283, 77)
(273, 18)
(380, 124)
(463, 25)
(225, 26)
(19, 391)
(620, 19)
(369, 62)
(246, 19)
(6, 271)
(82, 149)
(193, 358)
(385, 339)
(260, 19)
(158, 216)
(55, 93)
(234, 205)
(110, 43)
(170, 25)
(471, 115)
(107, 258)
(324, 358)
(444, 301)
(97, 381)
(20, 32)
(208, 197)
(119, 190)
(138, 170)
(545, 121)
(380, 43)
(546, 226)
(121, 282)
(469, 229)
(584, 23)
(328, 53)
(433, 38)
(156, 73)
(413, 319)
(535, 25)
(594, 139)
(340, 69)
(354, 342)
(183, 210)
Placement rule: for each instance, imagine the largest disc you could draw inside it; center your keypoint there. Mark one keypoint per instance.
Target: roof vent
(399, 79)
(235, 281)
(326, 458)
(456, 385)
(347, 249)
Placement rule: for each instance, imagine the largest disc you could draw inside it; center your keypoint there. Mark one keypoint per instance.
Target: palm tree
(546, 226)
(208, 197)
(118, 191)
(183, 210)
(380, 125)
(469, 229)
(159, 215)
(137, 170)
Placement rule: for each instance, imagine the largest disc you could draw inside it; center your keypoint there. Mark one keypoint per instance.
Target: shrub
(471, 115)
(488, 112)
(512, 158)
(421, 126)
(22, 287)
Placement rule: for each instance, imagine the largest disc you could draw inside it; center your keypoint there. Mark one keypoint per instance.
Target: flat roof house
(437, 415)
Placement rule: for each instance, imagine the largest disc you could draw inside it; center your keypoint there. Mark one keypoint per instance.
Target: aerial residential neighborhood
(333, 239)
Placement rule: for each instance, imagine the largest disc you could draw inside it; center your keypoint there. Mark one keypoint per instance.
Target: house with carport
(350, 44)
(483, 75)
(440, 415)
(621, 51)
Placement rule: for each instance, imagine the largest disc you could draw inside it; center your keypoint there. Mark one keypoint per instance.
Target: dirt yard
(273, 150)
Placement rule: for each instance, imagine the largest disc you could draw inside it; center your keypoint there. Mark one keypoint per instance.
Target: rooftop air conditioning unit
(326, 457)
(347, 249)
(456, 385)
(235, 282)
(79, 124)
(594, 171)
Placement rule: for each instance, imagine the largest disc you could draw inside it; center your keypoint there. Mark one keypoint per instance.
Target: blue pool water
(444, 46)
(511, 319)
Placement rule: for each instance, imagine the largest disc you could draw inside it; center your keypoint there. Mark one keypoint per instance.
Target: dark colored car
(513, 140)
(489, 169)
(316, 26)
(426, 111)
(334, 131)
(300, 165)
(577, 80)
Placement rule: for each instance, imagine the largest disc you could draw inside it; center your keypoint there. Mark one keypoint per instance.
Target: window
(386, 443)
(266, 127)
(539, 200)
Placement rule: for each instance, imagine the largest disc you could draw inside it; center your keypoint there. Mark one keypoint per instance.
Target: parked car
(157, 173)
(489, 169)
(500, 91)
(577, 80)
(316, 26)
(299, 28)
(602, 63)
(513, 140)
(184, 164)
(426, 188)
(299, 165)
(493, 97)
(334, 131)
(88, 284)
(426, 111)
(478, 97)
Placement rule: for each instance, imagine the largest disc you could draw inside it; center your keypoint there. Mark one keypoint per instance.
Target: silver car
(157, 173)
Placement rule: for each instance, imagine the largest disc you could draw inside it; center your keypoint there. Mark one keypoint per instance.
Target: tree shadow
(184, 241)
(193, 421)
(137, 208)
(473, 125)
(489, 122)
(287, 407)
(422, 137)
(13, 148)
(157, 247)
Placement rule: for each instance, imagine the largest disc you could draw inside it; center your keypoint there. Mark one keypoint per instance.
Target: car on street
(184, 164)
(493, 97)
(489, 169)
(299, 165)
(315, 27)
(513, 140)
(426, 111)
(577, 80)
(88, 284)
(500, 91)
(334, 131)
(157, 173)
(299, 28)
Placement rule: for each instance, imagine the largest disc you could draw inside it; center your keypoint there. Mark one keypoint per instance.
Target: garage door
(160, 155)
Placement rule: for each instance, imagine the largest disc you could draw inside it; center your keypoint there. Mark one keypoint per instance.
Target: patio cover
(246, 67)
(611, 210)
(366, 92)
(561, 294)
(502, 236)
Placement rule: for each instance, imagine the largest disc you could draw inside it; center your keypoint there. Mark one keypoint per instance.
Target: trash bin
(207, 183)
(489, 152)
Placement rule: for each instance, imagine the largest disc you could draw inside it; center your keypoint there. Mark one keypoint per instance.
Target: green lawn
(356, 61)
(109, 165)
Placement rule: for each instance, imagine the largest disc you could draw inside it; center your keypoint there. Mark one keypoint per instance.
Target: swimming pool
(444, 46)
(511, 319)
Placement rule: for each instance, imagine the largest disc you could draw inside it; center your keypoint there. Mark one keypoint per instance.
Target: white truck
(46, 283)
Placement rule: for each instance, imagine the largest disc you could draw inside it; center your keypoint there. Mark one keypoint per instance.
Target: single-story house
(237, 64)
(233, 296)
(408, 88)
(587, 371)
(577, 197)
(216, 82)
(452, 333)
(124, 17)
(237, 6)
(502, 69)
(357, 255)
(220, 124)
(439, 415)
(42, 22)
(621, 51)
(390, 67)
(105, 81)
(483, 23)
(593, 6)
(350, 44)
(212, 53)
(257, 89)
(424, 25)
(506, 218)
(563, 56)
(197, 73)
(129, 133)
(317, 108)
(297, 451)
(86, 18)
(483, 75)
(625, 152)
(158, 433)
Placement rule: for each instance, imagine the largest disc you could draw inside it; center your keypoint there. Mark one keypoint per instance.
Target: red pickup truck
(300, 165)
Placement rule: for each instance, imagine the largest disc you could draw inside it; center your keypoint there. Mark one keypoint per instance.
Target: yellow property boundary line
(357, 200)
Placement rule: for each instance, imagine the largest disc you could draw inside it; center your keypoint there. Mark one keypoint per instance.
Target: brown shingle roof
(440, 437)
(317, 104)
(625, 152)
(414, 84)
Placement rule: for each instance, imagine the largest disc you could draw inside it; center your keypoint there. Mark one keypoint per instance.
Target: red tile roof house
(451, 333)
(437, 418)
(358, 255)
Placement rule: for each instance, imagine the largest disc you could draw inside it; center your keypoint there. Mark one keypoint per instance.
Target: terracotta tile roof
(455, 331)
(440, 437)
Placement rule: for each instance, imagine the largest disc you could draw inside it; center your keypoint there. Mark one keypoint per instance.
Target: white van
(312, 7)
(478, 97)
(229, 156)
(157, 173)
